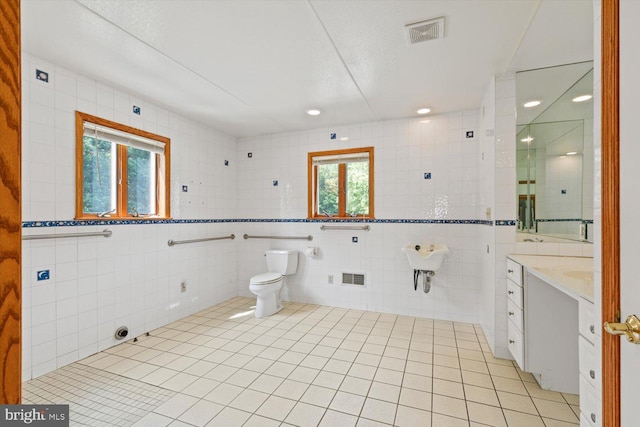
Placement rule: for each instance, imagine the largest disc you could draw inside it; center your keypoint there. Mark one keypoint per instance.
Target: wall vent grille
(353, 279)
(423, 31)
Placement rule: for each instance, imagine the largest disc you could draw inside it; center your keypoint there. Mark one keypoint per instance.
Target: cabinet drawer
(589, 406)
(516, 343)
(586, 320)
(515, 315)
(514, 293)
(588, 366)
(514, 272)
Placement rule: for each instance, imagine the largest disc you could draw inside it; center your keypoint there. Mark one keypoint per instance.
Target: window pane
(141, 181)
(358, 188)
(98, 175)
(328, 189)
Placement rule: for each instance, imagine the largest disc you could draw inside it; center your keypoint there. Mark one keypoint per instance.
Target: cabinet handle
(593, 417)
(512, 342)
(509, 271)
(592, 374)
(510, 292)
(511, 313)
(592, 329)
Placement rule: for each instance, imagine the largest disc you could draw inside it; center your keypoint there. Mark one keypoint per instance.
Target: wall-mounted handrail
(182, 242)
(309, 237)
(345, 227)
(104, 233)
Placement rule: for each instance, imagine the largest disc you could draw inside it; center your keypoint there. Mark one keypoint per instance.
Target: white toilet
(267, 286)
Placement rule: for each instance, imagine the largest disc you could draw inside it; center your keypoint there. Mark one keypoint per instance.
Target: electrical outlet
(330, 279)
(183, 286)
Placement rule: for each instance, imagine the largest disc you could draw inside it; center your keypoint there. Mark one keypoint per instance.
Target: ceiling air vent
(353, 279)
(426, 30)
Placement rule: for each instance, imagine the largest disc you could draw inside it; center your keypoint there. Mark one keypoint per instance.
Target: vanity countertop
(571, 275)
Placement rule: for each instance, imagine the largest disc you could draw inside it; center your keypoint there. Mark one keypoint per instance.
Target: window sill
(342, 218)
(122, 218)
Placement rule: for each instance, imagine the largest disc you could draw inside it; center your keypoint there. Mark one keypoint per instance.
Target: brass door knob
(630, 328)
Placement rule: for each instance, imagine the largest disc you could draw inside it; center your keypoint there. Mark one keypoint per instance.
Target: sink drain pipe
(426, 279)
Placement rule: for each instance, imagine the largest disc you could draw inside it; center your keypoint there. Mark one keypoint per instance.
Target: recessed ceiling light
(582, 98)
(533, 103)
(527, 139)
(313, 112)
(572, 153)
(424, 111)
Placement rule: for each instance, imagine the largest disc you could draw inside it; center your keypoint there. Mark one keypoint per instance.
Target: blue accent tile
(427, 175)
(275, 182)
(43, 76)
(354, 239)
(42, 275)
(226, 162)
(136, 110)
(333, 136)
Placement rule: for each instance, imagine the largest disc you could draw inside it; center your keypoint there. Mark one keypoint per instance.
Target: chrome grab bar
(181, 242)
(309, 237)
(345, 227)
(104, 233)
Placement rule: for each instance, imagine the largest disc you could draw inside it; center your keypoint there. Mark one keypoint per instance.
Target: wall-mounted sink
(425, 257)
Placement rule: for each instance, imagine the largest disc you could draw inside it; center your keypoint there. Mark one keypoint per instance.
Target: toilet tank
(283, 261)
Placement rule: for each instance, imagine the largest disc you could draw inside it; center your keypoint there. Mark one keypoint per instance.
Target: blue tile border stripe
(511, 222)
(560, 220)
(82, 223)
(505, 222)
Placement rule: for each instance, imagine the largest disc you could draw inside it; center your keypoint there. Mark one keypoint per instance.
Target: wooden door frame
(610, 106)
(10, 208)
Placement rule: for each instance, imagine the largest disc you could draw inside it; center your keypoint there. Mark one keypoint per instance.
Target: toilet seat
(265, 279)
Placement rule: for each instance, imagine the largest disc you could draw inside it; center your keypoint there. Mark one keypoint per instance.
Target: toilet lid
(265, 278)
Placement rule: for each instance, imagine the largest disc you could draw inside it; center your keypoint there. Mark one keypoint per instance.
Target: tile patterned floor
(308, 365)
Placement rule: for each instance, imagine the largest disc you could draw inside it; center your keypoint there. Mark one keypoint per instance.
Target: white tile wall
(132, 278)
(505, 195)
(404, 151)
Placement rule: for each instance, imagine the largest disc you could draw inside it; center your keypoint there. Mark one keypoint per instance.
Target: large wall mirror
(554, 153)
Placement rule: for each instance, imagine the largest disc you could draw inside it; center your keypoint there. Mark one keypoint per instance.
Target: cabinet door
(516, 343)
(551, 338)
(514, 272)
(514, 293)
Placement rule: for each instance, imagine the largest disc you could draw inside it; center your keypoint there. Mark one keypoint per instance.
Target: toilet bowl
(268, 286)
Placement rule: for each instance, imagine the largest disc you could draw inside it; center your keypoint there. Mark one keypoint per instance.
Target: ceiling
(555, 87)
(254, 67)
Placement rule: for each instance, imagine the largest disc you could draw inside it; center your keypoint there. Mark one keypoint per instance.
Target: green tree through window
(98, 182)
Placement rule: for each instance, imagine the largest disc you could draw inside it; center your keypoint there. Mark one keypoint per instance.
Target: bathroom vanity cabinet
(589, 366)
(551, 328)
